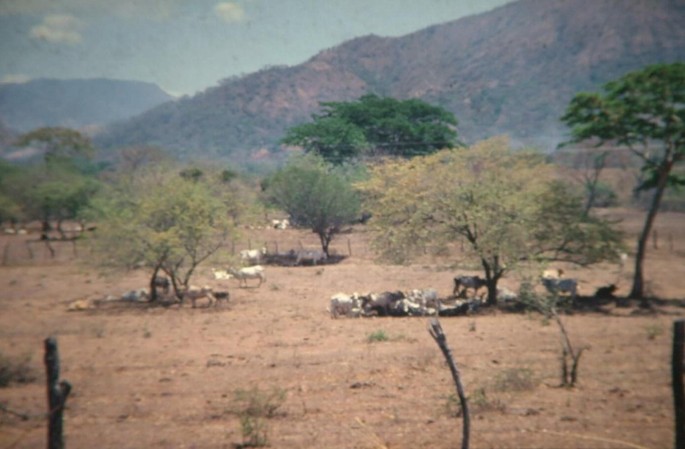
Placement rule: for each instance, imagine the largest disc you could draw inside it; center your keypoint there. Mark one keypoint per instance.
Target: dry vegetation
(274, 363)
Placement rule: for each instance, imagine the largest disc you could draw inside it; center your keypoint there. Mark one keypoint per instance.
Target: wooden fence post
(57, 395)
(438, 335)
(349, 248)
(678, 390)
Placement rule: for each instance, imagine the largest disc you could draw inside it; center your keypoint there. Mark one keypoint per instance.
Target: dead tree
(438, 335)
(58, 391)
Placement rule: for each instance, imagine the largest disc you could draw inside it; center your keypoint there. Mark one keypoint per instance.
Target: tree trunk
(637, 291)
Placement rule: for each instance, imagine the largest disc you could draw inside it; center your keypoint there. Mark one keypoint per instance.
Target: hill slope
(75, 103)
(512, 70)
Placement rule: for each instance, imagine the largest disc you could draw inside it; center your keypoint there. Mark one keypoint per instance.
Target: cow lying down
(416, 302)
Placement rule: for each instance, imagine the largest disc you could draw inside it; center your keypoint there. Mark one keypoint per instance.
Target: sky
(186, 46)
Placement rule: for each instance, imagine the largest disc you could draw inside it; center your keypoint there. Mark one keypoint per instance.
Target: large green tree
(505, 205)
(315, 195)
(375, 125)
(162, 221)
(61, 185)
(645, 112)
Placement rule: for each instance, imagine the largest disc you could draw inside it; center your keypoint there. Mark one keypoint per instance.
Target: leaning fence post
(678, 390)
(57, 395)
(438, 335)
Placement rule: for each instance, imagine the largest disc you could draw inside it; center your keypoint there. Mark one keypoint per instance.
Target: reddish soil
(155, 377)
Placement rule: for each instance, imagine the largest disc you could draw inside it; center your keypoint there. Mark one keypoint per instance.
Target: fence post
(57, 395)
(349, 248)
(435, 329)
(6, 253)
(655, 239)
(678, 391)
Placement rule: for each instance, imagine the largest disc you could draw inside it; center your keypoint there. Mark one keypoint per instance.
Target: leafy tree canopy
(645, 112)
(315, 196)
(505, 205)
(59, 144)
(375, 125)
(58, 189)
(164, 221)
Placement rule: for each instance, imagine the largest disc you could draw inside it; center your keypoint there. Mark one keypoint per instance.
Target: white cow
(252, 256)
(194, 293)
(243, 274)
(345, 305)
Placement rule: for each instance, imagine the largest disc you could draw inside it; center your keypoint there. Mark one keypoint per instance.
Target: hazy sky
(186, 46)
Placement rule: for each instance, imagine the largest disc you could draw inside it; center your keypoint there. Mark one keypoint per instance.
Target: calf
(243, 274)
(462, 284)
(559, 286)
(345, 305)
(194, 293)
(312, 257)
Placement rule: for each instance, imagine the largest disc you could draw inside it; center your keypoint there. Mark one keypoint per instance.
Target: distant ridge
(75, 103)
(509, 71)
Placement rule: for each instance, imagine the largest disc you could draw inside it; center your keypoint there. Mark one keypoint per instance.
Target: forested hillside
(75, 103)
(509, 71)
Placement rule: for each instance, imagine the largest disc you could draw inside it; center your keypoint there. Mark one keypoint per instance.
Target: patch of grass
(515, 379)
(257, 403)
(15, 371)
(255, 407)
(478, 402)
(653, 330)
(377, 336)
(255, 432)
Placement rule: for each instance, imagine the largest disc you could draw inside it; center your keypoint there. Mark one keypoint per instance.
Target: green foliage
(374, 125)
(644, 111)
(504, 204)
(257, 403)
(160, 220)
(314, 195)
(58, 143)
(515, 379)
(254, 408)
(603, 195)
(56, 191)
(378, 336)
(653, 330)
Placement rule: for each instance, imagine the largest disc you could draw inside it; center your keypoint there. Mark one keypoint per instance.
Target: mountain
(509, 71)
(79, 104)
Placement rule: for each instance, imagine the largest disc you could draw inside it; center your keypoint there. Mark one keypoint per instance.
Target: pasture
(156, 377)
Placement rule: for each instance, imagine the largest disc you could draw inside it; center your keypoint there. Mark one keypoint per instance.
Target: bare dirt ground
(155, 377)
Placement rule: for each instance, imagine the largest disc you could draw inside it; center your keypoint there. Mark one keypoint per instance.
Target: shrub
(15, 371)
(378, 336)
(254, 408)
(515, 379)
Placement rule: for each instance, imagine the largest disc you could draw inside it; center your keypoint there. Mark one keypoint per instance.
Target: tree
(10, 209)
(645, 112)
(315, 195)
(59, 144)
(505, 205)
(162, 221)
(59, 187)
(374, 125)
